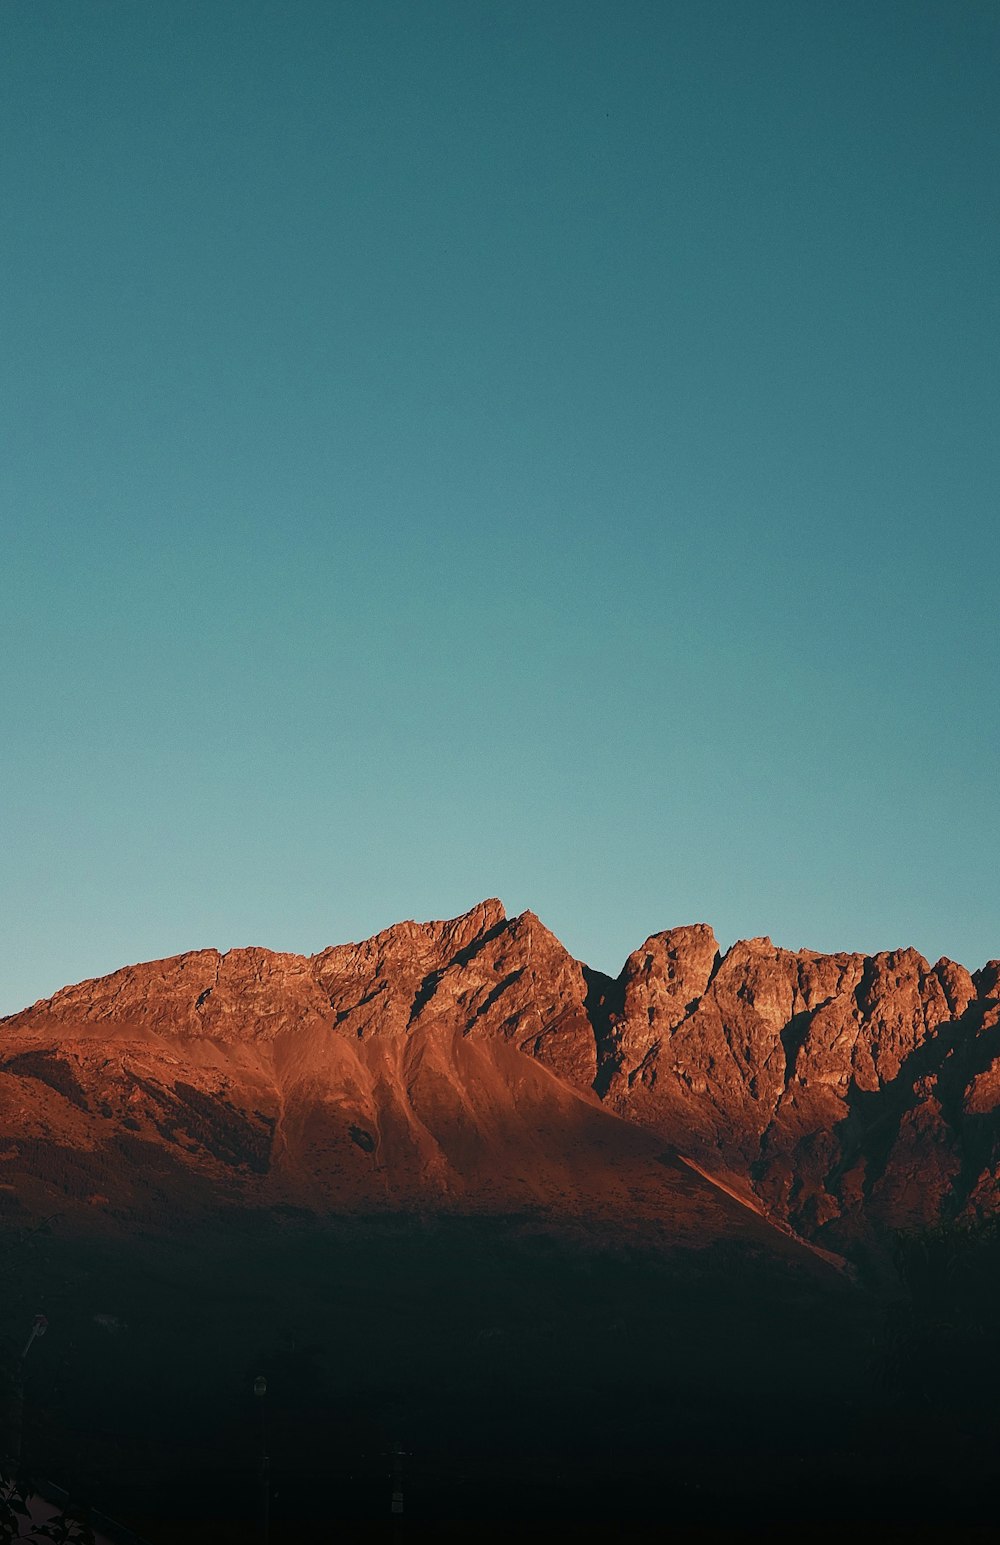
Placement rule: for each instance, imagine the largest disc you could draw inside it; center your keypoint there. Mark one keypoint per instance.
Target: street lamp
(260, 1390)
(398, 1455)
(14, 1422)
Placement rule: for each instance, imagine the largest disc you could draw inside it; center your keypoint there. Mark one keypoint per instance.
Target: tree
(16, 1522)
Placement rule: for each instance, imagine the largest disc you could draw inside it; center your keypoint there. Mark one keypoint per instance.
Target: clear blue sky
(536, 449)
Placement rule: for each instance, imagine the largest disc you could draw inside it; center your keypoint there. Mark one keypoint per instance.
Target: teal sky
(537, 449)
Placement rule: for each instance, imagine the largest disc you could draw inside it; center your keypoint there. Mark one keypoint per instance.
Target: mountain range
(474, 1065)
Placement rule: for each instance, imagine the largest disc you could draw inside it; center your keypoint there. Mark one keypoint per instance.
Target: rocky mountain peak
(848, 1093)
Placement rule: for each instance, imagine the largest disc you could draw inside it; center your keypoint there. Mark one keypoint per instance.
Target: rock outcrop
(476, 1062)
(850, 1092)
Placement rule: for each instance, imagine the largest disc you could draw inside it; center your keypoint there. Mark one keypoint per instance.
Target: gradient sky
(537, 449)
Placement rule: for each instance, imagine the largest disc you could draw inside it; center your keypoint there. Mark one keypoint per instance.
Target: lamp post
(14, 1415)
(260, 1390)
(398, 1455)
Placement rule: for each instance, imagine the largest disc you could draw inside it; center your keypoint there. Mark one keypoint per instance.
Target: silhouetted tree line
(63, 1528)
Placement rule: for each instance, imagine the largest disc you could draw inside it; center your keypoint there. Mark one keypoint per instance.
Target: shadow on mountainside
(529, 1372)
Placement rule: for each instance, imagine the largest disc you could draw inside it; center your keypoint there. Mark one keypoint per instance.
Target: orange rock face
(476, 1063)
(841, 1087)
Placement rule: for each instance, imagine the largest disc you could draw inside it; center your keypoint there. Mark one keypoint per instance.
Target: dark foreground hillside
(531, 1374)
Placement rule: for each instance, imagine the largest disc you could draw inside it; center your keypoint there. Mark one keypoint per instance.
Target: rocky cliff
(475, 1063)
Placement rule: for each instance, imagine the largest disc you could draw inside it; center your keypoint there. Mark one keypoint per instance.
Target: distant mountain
(475, 1066)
